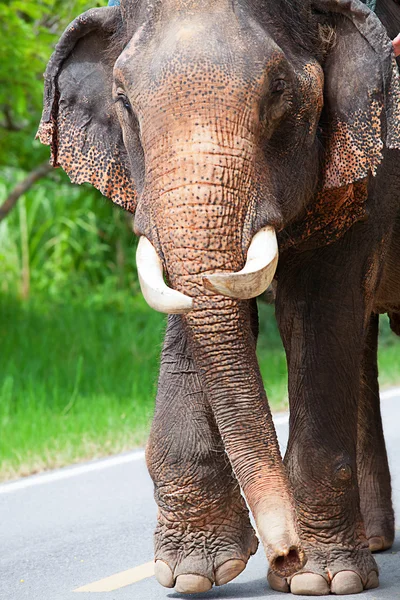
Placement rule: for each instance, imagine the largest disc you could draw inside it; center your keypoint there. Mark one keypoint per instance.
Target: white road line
(107, 463)
(281, 419)
(120, 580)
(69, 472)
(391, 393)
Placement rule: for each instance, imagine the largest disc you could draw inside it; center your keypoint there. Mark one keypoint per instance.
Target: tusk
(256, 275)
(154, 289)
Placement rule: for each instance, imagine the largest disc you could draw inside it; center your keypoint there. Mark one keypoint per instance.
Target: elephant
(236, 132)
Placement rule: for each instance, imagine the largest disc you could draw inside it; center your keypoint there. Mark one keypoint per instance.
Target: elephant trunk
(223, 346)
(199, 211)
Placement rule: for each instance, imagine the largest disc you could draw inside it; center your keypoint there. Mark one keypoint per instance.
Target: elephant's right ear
(79, 120)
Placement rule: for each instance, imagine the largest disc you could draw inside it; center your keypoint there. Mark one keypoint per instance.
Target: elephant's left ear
(79, 120)
(362, 93)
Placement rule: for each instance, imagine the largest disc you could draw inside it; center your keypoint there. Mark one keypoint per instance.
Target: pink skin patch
(396, 45)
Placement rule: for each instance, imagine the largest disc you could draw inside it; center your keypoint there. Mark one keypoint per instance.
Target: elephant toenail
(372, 581)
(163, 574)
(228, 571)
(346, 582)
(192, 584)
(376, 543)
(309, 584)
(254, 546)
(279, 584)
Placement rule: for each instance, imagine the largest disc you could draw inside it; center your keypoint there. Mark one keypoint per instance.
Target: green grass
(272, 358)
(78, 379)
(75, 381)
(389, 355)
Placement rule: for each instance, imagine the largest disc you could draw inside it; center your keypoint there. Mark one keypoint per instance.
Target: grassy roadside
(78, 380)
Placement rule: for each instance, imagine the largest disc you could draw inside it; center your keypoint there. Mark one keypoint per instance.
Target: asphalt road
(66, 529)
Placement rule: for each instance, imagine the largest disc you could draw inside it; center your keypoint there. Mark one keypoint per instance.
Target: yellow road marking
(120, 580)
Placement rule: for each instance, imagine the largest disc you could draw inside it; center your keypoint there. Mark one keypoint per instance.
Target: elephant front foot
(330, 570)
(192, 554)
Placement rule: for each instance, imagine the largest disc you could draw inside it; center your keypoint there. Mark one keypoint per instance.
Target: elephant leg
(203, 535)
(323, 310)
(372, 463)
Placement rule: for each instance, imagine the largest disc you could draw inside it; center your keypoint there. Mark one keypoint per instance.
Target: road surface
(75, 533)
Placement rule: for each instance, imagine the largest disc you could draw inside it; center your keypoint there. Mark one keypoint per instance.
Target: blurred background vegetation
(79, 347)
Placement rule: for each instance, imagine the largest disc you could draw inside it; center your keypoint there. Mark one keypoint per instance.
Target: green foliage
(64, 239)
(272, 358)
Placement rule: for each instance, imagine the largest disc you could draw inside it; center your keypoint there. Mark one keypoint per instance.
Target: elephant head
(219, 124)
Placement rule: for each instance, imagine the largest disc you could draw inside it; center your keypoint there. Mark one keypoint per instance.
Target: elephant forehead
(197, 101)
(186, 31)
(189, 52)
(196, 105)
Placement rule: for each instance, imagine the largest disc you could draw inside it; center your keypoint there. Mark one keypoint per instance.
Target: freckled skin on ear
(210, 121)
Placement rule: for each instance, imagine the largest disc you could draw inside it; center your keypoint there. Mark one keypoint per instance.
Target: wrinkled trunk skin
(200, 214)
(224, 350)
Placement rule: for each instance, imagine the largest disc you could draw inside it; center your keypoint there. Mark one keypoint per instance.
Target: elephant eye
(278, 86)
(275, 104)
(124, 101)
